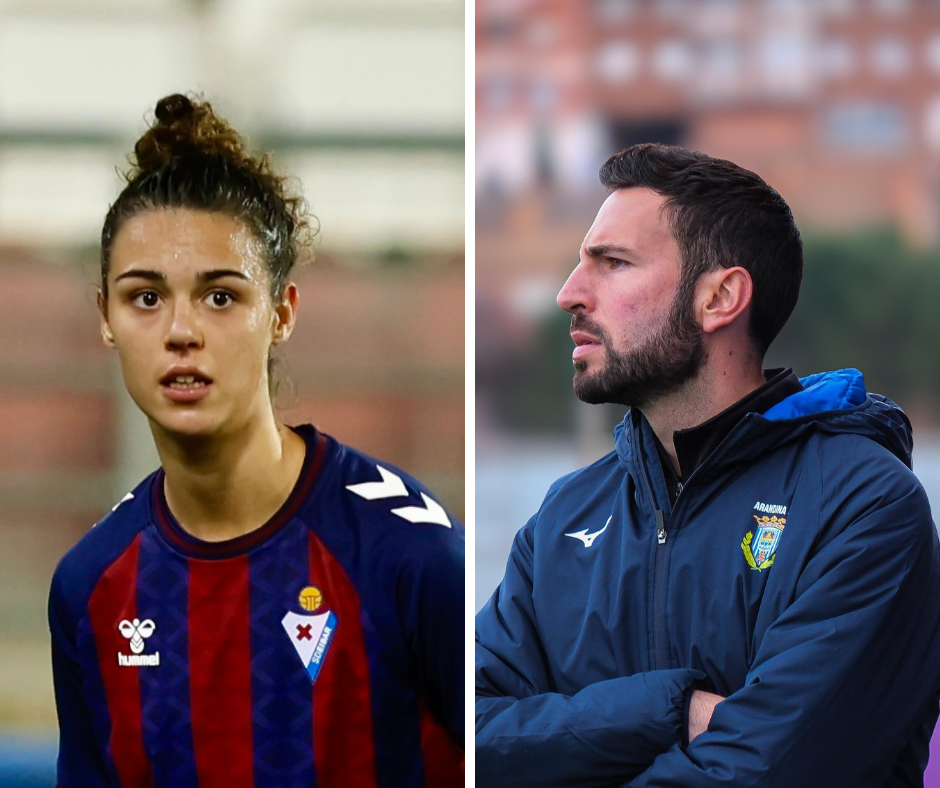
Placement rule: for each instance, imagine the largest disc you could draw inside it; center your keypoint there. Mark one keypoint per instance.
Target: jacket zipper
(660, 662)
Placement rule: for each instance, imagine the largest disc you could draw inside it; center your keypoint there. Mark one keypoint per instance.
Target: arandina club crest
(760, 546)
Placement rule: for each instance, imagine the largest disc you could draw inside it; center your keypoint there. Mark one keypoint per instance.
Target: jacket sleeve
(529, 734)
(844, 677)
(80, 763)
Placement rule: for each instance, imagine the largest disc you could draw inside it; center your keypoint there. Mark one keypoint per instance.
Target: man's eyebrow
(609, 250)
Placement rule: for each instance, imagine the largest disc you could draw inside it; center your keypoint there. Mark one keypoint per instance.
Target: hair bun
(183, 127)
(173, 108)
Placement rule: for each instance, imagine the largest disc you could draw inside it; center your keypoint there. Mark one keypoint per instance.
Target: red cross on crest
(303, 632)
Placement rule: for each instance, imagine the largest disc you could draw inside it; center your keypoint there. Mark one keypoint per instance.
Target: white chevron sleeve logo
(391, 486)
(431, 512)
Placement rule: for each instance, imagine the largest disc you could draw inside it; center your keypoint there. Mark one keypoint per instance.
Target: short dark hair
(192, 158)
(721, 216)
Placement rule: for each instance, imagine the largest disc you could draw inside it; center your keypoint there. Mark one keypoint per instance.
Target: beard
(659, 366)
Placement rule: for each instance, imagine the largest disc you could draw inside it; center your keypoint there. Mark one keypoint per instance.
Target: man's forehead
(631, 220)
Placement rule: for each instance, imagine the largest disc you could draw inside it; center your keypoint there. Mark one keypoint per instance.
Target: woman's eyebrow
(157, 276)
(220, 273)
(139, 273)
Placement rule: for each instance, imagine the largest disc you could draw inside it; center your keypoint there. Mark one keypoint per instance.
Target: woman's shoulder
(107, 541)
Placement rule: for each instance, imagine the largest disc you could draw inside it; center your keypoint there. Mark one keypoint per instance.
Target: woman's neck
(223, 486)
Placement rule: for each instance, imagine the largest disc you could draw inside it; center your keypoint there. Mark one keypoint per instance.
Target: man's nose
(574, 295)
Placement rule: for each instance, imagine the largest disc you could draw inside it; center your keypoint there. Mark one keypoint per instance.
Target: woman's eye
(147, 299)
(220, 299)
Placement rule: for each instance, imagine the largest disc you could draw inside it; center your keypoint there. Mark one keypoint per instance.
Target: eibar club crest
(760, 546)
(310, 634)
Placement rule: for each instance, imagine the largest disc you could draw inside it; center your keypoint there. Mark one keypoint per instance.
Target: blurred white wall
(364, 101)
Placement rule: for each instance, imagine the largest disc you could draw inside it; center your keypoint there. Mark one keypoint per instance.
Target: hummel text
(138, 660)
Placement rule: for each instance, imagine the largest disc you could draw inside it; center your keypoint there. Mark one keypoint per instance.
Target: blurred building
(363, 101)
(836, 103)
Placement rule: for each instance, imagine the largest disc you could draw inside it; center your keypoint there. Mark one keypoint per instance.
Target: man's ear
(285, 314)
(724, 294)
(106, 336)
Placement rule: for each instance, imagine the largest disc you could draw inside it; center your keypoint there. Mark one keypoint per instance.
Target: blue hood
(834, 402)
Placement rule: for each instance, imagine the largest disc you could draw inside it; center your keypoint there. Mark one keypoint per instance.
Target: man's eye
(220, 299)
(147, 299)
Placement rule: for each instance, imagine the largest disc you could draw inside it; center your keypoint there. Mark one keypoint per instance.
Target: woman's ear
(285, 313)
(106, 335)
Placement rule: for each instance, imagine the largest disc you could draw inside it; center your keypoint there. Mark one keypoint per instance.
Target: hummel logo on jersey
(587, 538)
(136, 632)
(391, 486)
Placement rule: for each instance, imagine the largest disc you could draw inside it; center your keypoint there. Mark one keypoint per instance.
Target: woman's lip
(186, 394)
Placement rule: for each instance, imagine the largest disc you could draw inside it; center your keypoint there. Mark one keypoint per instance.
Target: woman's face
(190, 312)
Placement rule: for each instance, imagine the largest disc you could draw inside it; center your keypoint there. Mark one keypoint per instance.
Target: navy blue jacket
(798, 574)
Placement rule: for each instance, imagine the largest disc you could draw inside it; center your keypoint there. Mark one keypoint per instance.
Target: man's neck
(222, 487)
(702, 398)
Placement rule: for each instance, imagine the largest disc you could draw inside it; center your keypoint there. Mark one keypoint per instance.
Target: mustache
(581, 322)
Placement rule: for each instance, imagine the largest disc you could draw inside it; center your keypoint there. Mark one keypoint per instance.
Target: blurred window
(835, 58)
(784, 61)
(673, 60)
(890, 57)
(542, 33)
(891, 7)
(786, 8)
(782, 53)
(618, 62)
(932, 53)
(498, 29)
(717, 18)
(835, 7)
(721, 65)
(543, 94)
(864, 126)
(497, 94)
(671, 9)
(614, 11)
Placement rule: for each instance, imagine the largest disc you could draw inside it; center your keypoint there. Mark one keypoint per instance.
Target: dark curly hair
(192, 158)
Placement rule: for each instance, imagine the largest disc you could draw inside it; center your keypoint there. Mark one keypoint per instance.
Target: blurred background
(364, 103)
(835, 103)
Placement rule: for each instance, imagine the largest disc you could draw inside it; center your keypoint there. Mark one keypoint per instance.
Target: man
(746, 592)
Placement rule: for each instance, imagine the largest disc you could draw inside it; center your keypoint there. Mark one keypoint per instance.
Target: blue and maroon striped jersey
(324, 649)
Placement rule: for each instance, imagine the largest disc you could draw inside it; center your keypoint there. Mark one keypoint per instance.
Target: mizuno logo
(587, 538)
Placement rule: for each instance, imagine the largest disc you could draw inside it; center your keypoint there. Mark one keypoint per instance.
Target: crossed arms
(843, 682)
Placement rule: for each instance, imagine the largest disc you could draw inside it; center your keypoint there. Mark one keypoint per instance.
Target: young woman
(270, 608)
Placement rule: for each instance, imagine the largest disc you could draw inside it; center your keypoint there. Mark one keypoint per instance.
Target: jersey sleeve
(80, 762)
(848, 673)
(433, 598)
(528, 734)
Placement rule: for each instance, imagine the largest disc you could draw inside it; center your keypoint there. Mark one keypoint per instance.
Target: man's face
(190, 313)
(632, 316)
